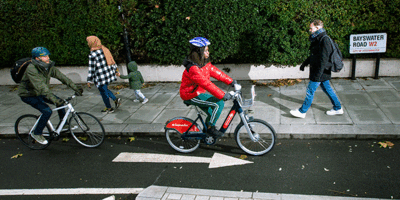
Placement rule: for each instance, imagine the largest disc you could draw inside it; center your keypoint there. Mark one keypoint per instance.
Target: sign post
(367, 43)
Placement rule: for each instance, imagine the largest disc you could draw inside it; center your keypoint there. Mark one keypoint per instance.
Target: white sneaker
(297, 113)
(136, 100)
(40, 139)
(145, 100)
(335, 112)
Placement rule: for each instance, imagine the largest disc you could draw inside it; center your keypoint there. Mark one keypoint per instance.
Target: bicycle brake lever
(237, 87)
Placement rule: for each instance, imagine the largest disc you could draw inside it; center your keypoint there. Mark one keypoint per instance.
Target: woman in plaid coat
(102, 71)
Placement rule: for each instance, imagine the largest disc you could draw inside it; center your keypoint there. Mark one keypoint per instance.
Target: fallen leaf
(242, 157)
(65, 139)
(131, 139)
(386, 144)
(327, 170)
(383, 144)
(16, 156)
(390, 144)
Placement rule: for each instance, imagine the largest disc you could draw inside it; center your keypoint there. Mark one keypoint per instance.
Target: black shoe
(213, 131)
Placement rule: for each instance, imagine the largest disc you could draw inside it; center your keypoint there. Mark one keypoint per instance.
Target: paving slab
(368, 115)
(145, 114)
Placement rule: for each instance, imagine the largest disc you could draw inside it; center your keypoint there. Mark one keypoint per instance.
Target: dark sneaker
(117, 102)
(104, 110)
(110, 110)
(213, 131)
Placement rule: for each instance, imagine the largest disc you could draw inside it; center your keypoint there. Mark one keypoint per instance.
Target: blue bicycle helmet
(199, 42)
(40, 51)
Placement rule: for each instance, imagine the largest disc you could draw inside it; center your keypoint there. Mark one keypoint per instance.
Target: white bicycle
(85, 128)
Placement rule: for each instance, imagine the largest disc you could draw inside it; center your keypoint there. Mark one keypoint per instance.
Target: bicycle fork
(246, 125)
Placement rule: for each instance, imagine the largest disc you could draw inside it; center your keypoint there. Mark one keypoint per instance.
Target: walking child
(135, 82)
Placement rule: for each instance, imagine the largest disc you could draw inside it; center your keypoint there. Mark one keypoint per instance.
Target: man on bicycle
(34, 88)
(196, 81)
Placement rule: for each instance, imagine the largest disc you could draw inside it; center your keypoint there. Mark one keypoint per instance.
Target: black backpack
(19, 69)
(336, 57)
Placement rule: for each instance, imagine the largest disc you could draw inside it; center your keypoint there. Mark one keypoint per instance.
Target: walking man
(320, 72)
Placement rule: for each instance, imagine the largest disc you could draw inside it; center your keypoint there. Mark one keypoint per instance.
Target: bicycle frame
(62, 122)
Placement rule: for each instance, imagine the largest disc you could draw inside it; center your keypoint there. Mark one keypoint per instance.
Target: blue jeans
(39, 102)
(326, 87)
(106, 94)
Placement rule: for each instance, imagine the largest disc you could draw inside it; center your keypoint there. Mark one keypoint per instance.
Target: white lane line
(69, 191)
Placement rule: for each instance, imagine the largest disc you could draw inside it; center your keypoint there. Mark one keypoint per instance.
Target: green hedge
(254, 31)
(240, 31)
(59, 25)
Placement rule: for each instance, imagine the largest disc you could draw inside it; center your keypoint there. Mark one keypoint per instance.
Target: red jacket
(196, 80)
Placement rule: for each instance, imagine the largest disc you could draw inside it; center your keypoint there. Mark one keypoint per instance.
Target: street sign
(368, 43)
(218, 160)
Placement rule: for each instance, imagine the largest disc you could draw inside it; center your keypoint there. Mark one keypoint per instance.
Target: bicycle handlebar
(69, 98)
(237, 95)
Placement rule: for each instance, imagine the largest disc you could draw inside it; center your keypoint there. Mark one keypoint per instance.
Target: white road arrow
(218, 160)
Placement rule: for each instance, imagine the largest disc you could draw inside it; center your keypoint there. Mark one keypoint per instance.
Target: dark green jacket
(36, 81)
(135, 77)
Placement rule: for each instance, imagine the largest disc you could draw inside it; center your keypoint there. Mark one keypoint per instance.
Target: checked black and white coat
(99, 72)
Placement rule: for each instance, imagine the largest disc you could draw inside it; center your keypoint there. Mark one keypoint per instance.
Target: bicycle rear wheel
(263, 133)
(86, 129)
(23, 130)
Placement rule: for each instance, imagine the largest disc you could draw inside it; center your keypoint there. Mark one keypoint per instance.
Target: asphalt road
(315, 167)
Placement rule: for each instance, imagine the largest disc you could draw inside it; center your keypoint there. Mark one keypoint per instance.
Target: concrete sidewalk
(371, 109)
(174, 193)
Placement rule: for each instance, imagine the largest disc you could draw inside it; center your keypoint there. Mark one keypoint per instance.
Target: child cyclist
(196, 81)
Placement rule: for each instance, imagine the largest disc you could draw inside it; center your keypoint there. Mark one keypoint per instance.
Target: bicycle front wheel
(24, 128)
(263, 134)
(86, 129)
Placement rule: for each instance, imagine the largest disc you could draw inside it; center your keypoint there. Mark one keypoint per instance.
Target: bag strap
(333, 45)
(19, 69)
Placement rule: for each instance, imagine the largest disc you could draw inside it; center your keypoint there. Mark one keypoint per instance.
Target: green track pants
(210, 105)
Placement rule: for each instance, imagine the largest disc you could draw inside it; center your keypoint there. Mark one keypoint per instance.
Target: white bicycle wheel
(264, 136)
